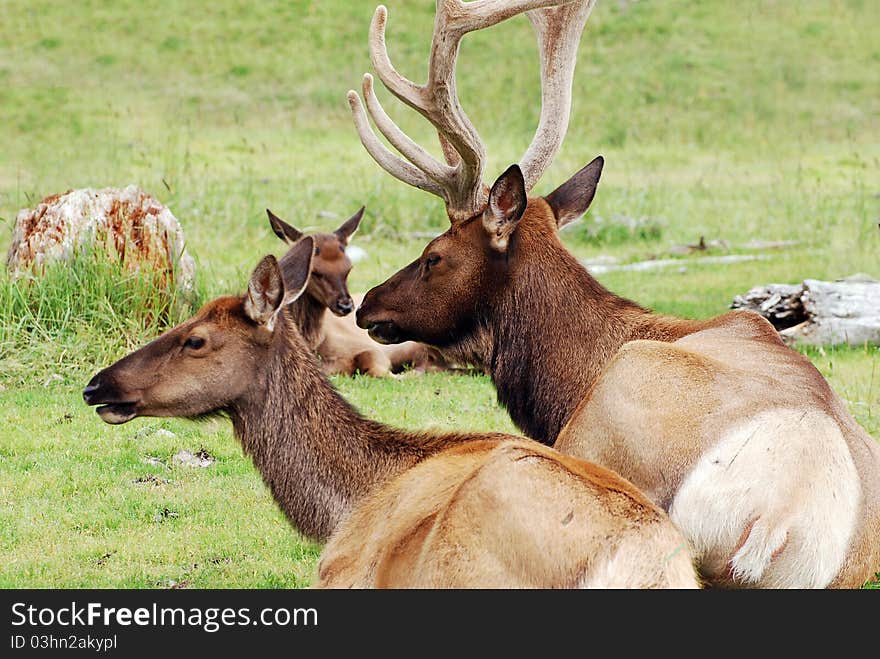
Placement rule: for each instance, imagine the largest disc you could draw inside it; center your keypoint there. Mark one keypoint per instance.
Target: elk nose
(93, 388)
(359, 316)
(344, 306)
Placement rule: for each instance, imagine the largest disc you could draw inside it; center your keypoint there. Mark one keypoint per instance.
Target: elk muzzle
(113, 407)
(372, 317)
(384, 331)
(343, 305)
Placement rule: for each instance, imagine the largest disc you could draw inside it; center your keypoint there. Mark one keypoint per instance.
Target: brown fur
(562, 349)
(323, 315)
(347, 349)
(542, 340)
(398, 509)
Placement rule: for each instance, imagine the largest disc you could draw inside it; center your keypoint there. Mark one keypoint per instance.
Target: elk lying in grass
(398, 509)
(323, 313)
(737, 436)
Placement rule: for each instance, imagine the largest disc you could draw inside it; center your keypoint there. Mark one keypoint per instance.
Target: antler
(459, 180)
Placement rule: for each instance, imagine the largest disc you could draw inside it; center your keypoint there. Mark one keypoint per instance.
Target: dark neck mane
(308, 316)
(315, 452)
(555, 328)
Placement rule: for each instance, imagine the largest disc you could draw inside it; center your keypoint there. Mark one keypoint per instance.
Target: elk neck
(308, 316)
(314, 451)
(555, 328)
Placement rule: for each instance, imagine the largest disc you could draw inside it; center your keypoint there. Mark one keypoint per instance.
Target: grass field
(733, 121)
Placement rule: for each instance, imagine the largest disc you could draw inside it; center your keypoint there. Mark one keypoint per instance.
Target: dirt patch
(152, 479)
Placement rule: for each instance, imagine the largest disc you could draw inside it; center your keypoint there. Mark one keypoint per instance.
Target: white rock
(187, 458)
(127, 223)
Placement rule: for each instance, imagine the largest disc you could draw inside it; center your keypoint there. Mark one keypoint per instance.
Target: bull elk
(737, 436)
(323, 313)
(395, 508)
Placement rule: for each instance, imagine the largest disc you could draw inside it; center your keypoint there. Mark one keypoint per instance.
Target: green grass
(732, 121)
(74, 513)
(89, 307)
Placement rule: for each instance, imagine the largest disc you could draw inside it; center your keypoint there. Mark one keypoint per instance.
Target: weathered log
(779, 303)
(846, 311)
(129, 225)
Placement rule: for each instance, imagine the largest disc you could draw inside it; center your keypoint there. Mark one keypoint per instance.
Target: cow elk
(737, 436)
(323, 313)
(396, 509)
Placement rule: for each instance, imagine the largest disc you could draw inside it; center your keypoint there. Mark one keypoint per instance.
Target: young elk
(737, 436)
(323, 312)
(397, 509)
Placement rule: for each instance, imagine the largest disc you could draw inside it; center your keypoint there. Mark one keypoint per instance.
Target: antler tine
(437, 101)
(398, 168)
(404, 89)
(559, 32)
(460, 180)
(434, 169)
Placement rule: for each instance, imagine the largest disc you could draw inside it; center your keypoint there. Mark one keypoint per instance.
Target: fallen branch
(846, 311)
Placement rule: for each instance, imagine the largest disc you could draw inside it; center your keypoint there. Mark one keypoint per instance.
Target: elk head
(328, 284)
(441, 297)
(209, 362)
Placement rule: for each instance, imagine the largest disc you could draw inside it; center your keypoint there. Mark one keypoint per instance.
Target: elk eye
(432, 260)
(317, 275)
(194, 342)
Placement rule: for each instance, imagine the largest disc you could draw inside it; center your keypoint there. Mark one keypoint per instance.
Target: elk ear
(572, 199)
(347, 230)
(282, 229)
(265, 291)
(296, 268)
(507, 203)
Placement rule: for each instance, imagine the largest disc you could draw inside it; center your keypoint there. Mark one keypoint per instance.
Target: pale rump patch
(774, 503)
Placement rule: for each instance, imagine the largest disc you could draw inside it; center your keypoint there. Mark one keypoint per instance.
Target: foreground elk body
(397, 509)
(739, 437)
(323, 313)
